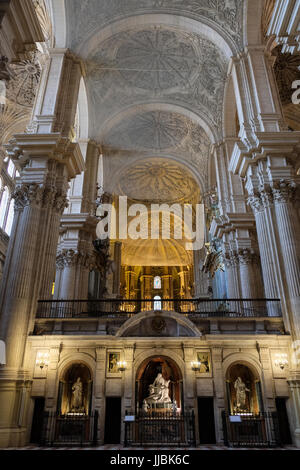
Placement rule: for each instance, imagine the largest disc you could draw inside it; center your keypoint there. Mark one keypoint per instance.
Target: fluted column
(267, 263)
(49, 164)
(20, 274)
(117, 272)
(288, 235)
(72, 274)
(294, 385)
(48, 273)
(251, 285)
(167, 285)
(233, 281)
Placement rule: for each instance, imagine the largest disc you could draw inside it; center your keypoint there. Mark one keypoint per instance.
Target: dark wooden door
(37, 420)
(283, 421)
(206, 420)
(112, 420)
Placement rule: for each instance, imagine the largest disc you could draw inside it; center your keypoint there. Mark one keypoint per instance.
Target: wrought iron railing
(155, 428)
(68, 430)
(198, 308)
(259, 430)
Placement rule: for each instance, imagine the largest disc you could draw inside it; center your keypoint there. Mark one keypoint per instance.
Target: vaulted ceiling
(155, 77)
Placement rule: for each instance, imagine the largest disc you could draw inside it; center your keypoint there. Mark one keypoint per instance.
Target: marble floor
(112, 447)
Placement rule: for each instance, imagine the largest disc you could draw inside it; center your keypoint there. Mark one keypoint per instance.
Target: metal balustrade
(247, 430)
(69, 429)
(193, 308)
(166, 428)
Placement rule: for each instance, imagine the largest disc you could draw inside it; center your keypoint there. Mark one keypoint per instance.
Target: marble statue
(77, 395)
(158, 392)
(241, 390)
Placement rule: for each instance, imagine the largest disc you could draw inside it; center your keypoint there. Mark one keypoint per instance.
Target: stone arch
(168, 156)
(200, 119)
(158, 351)
(64, 388)
(75, 359)
(248, 360)
(138, 325)
(238, 364)
(205, 28)
(147, 372)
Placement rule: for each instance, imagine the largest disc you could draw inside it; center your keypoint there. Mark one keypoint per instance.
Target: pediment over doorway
(158, 324)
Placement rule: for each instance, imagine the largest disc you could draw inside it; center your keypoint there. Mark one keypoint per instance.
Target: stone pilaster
(249, 274)
(48, 165)
(73, 269)
(99, 390)
(233, 281)
(288, 235)
(294, 385)
(267, 263)
(117, 271)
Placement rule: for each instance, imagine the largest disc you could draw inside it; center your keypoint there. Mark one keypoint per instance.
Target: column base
(13, 437)
(297, 438)
(14, 400)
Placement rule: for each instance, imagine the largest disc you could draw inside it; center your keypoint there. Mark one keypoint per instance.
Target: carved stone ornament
(27, 194)
(284, 191)
(158, 324)
(69, 258)
(247, 257)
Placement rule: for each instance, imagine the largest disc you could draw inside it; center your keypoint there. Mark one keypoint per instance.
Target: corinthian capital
(284, 191)
(255, 202)
(247, 257)
(28, 194)
(69, 258)
(60, 202)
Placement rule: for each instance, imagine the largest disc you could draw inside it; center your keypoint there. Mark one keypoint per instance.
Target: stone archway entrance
(168, 395)
(160, 418)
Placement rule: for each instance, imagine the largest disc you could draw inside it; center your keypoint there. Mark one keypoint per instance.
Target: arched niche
(75, 390)
(243, 389)
(148, 372)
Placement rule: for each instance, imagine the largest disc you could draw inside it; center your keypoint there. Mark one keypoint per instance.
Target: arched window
(10, 217)
(157, 282)
(3, 206)
(157, 303)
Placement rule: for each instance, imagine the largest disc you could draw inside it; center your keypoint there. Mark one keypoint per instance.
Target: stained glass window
(157, 282)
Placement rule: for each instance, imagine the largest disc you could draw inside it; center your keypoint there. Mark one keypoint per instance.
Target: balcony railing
(194, 308)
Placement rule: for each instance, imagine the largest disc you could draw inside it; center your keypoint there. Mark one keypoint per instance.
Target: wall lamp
(196, 366)
(122, 366)
(281, 360)
(42, 359)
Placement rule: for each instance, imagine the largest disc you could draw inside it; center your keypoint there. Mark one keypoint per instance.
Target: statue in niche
(77, 396)
(159, 392)
(241, 396)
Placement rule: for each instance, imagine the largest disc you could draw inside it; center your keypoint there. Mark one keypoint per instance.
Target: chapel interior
(149, 223)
